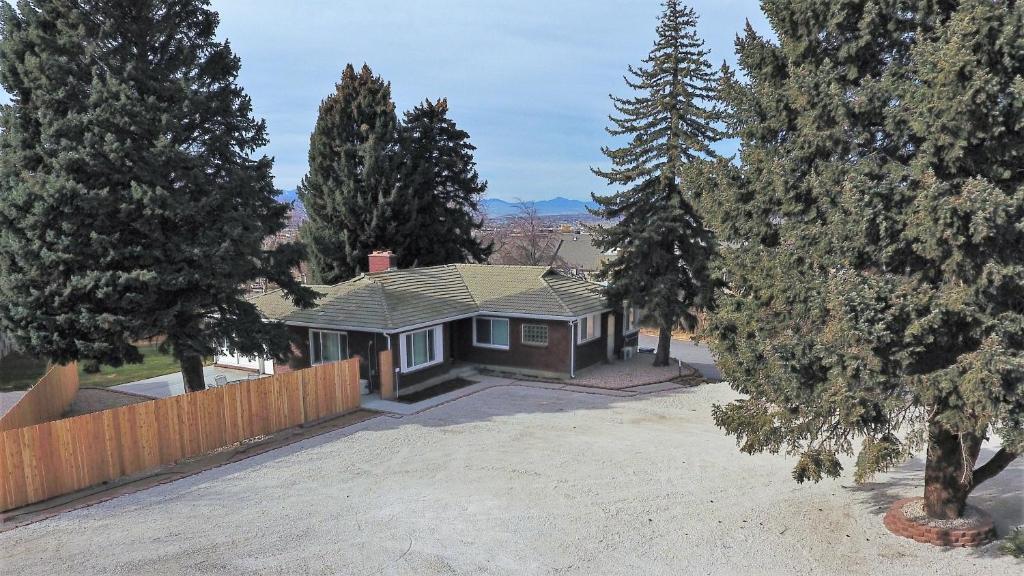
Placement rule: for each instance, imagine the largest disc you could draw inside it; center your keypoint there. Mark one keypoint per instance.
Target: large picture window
(535, 334)
(327, 346)
(590, 328)
(421, 348)
(490, 332)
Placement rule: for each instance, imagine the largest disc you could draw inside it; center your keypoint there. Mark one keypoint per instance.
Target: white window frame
(547, 335)
(438, 348)
(344, 351)
(627, 326)
(479, 344)
(593, 328)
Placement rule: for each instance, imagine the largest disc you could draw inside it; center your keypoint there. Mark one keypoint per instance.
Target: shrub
(1013, 544)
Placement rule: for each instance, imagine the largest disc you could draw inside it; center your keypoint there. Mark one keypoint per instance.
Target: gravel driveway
(511, 480)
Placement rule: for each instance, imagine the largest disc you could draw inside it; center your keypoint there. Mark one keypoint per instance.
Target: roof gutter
(437, 321)
(333, 327)
(572, 348)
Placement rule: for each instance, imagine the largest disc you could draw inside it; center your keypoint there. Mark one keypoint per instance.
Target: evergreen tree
(353, 176)
(129, 205)
(873, 250)
(438, 206)
(663, 246)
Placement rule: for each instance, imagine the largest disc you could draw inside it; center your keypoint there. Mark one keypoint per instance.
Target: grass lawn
(18, 372)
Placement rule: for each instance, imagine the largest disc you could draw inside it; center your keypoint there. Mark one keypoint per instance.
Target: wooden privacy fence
(47, 460)
(47, 400)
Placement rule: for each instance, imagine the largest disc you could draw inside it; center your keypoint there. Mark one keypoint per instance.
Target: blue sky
(528, 79)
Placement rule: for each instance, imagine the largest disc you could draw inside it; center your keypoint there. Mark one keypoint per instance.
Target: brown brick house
(525, 319)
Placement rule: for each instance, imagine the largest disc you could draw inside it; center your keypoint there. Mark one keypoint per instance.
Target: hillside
(559, 206)
(493, 207)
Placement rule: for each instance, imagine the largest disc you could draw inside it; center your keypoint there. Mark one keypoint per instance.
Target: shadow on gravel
(1002, 497)
(499, 402)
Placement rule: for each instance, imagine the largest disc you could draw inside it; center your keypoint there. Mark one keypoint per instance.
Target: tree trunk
(947, 477)
(664, 343)
(192, 372)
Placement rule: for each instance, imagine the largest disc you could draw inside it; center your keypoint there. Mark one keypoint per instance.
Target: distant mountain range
(287, 196)
(496, 207)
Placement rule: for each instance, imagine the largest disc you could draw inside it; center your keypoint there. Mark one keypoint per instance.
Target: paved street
(9, 399)
(696, 355)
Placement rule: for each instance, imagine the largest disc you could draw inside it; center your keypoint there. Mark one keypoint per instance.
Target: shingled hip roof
(399, 299)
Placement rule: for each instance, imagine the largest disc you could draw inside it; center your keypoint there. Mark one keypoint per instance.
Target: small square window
(535, 334)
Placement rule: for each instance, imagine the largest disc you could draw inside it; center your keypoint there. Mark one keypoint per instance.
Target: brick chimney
(382, 260)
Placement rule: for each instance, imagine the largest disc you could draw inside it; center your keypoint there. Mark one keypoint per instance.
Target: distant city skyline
(528, 80)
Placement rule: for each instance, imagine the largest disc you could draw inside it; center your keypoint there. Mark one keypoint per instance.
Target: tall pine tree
(129, 204)
(663, 246)
(873, 247)
(353, 176)
(438, 205)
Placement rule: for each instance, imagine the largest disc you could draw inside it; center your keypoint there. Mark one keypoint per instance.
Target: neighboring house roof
(397, 299)
(274, 305)
(578, 251)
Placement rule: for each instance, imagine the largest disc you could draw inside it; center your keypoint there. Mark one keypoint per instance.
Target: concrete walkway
(374, 402)
(696, 355)
(174, 384)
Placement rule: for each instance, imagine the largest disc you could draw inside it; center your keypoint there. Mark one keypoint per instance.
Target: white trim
(572, 348)
(429, 323)
(508, 333)
(332, 327)
(438, 330)
(626, 331)
(547, 335)
(344, 353)
(535, 316)
(590, 320)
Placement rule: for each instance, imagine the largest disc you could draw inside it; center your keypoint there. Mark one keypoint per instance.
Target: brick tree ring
(907, 518)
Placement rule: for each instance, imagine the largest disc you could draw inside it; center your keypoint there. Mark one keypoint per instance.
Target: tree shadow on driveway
(1002, 496)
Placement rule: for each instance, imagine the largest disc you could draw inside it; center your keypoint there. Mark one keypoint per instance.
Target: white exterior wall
(265, 366)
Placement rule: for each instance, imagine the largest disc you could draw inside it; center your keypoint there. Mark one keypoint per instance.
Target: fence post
(387, 375)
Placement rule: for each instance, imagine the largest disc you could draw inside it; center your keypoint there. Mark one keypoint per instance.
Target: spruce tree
(349, 190)
(438, 206)
(663, 246)
(872, 241)
(129, 204)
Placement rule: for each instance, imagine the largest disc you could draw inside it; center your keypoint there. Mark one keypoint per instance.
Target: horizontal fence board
(41, 461)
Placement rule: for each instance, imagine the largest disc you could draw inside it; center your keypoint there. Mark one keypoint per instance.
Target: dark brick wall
(362, 344)
(595, 351)
(300, 351)
(458, 347)
(551, 358)
(412, 378)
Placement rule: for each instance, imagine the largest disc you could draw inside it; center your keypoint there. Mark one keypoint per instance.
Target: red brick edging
(978, 535)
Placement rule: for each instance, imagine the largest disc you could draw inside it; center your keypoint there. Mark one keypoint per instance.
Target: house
(524, 319)
(578, 255)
